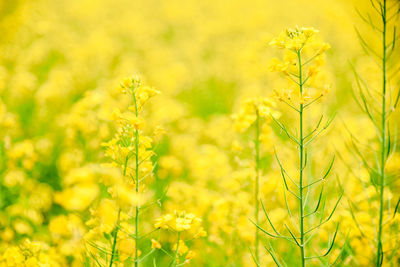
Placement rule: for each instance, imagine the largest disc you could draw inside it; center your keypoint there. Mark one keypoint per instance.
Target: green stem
(177, 249)
(115, 237)
(137, 184)
(379, 256)
(256, 187)
(301, 148)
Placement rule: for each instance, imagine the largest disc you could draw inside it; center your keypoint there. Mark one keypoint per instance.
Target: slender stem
(177, 249)
(301, 149)
(115, 237)
(257, 185)
(126, 165)
(379, 256)
(137, 184)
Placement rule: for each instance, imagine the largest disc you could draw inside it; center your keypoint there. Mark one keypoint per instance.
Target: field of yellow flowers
(199, 133)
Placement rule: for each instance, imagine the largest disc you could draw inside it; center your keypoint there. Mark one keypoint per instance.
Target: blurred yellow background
(61, 63)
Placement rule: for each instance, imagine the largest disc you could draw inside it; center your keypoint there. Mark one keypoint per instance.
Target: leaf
(396, 209)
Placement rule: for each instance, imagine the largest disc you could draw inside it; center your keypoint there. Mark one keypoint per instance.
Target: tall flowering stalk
(254, 113)
(378, 105)
(303, 58)
(130, 152)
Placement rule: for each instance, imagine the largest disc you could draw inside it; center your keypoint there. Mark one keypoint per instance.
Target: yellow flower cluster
(296, 39)
(181, 221)
(130, 153)
(301, 64)
(122, 148)
(141, 94)
(251, 110)
(187, 226)
(29, 254)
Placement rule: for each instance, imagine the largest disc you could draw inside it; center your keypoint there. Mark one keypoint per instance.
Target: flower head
(251, 108)
(293, 39)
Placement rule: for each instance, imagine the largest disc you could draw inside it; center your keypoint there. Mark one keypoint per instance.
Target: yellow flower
(7, 234)
(278, 66)
(163, 221)
(279, 41)
(249, 111)
(14, 177)
(137, 122)
(236, 146)
(159, 131)
(127, 248)
(126, 83)
(182, 224)
(13, 257)
(305, 97)
(107, 212)
(59, 225)
(296, 39)
(200, 233)
(146, 141)
(116, 115)
(77, 197)
(32, 262)
(125, 195)
(312, 70)
(326, 90)
(190, 255)
(324, 47)
(155, 244)
(179, 221)
(130, 83)
(308, 32)
(144, 93)
(22, 227)
(182, 249)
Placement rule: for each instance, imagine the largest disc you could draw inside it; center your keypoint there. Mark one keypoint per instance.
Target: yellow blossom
(182, 249)
(155, 244)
